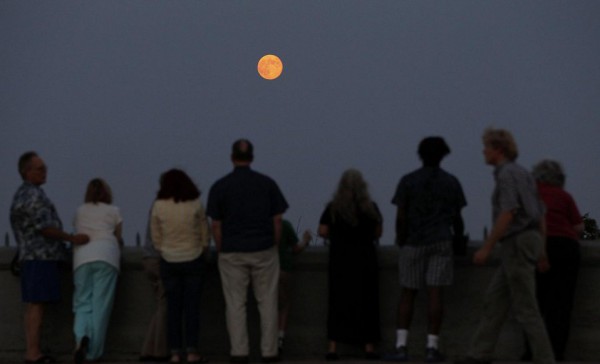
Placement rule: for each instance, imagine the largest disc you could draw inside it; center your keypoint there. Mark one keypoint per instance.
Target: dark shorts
(40, 281)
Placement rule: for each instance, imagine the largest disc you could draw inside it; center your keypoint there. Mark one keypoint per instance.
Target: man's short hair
(432, 150)
(502, 140)
(25, 162)
(242, 150)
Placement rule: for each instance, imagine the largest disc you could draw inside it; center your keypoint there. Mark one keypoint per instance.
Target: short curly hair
(549, 172)
(432, 150)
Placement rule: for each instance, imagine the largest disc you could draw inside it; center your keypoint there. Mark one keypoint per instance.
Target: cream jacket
(179, 230)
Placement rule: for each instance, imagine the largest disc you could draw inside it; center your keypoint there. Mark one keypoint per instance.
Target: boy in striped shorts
(429, 202)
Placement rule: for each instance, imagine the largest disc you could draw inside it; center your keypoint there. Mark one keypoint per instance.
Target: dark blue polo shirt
(245, 202)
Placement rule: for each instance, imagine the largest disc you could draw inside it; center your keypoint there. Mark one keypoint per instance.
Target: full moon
(270, 67)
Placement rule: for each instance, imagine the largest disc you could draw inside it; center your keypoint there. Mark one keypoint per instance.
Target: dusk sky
(125, 90)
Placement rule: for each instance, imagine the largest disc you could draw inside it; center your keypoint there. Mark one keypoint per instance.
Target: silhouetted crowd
(536, 223)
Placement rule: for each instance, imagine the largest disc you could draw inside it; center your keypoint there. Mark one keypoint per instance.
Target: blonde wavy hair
(351, 198)
(502, 140)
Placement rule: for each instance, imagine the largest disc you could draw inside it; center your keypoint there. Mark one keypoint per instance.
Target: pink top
(562, 213)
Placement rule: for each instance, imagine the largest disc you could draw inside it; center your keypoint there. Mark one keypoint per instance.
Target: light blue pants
(93, 299)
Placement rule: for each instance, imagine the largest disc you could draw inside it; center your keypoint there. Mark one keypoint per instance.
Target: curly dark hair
(432, 150)
(176, 184)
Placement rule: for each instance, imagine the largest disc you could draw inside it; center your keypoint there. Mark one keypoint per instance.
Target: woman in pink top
(564, 225)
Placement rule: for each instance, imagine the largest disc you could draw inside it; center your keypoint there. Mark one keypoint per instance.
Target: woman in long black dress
(352, 223)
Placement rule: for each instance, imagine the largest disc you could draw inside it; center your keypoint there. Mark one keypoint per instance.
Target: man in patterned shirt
(40, 236)
(518, 215)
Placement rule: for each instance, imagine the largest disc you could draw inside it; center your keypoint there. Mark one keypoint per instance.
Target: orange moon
(270, 67)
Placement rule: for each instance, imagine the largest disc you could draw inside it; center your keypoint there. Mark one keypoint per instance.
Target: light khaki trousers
(513, 286)
(237, 271)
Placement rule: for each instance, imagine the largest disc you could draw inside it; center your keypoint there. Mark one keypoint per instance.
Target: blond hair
(98, 191)
(502, 140)
(351, 198)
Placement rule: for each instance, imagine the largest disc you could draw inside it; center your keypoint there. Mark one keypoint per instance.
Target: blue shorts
(40, 281)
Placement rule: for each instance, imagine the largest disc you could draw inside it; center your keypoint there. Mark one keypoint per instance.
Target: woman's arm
(323, 231)
(301, 245)
(217, 234)
(118, 234)
(204, 228)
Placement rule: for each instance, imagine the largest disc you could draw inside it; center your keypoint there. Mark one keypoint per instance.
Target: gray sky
(125, 90)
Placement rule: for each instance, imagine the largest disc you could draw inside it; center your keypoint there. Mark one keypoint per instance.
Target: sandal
(200, 360)
(81, 351)
(332, 356)
(41, 359)
(371, 355)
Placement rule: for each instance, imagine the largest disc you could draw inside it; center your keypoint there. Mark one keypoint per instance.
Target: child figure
(289, 246)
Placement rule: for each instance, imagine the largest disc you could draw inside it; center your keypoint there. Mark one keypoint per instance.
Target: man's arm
(500, 226)
(58, 234)
(277, 226)
(217, 234)
(119, 234)
(459, 239)
(458, 225)
(401, 226)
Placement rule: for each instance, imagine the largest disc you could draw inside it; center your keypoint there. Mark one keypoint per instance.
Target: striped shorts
(429, 265)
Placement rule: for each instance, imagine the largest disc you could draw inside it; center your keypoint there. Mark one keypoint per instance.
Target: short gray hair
(549, 172)
(25, 162)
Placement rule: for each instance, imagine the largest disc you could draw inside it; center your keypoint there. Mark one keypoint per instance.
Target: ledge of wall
(306, 335)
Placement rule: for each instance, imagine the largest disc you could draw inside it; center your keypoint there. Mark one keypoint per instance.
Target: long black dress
(353, 312)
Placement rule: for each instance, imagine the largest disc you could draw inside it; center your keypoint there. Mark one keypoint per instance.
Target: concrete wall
(306, 334)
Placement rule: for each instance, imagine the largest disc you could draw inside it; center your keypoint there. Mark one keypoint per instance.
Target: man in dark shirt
(40, 236)
(429, 202)
(246, 210)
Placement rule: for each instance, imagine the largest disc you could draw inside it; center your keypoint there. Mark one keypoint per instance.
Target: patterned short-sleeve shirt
(31, 212)
(516, 191)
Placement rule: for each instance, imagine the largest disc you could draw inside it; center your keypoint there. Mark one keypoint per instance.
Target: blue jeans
(183, 286)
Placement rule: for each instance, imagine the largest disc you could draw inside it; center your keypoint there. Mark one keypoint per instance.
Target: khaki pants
(237, 271)
(513, 285)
